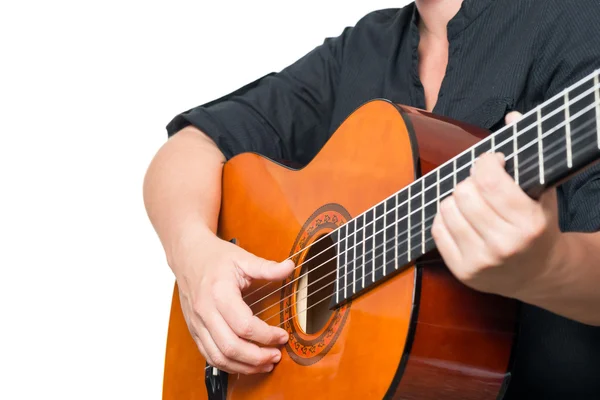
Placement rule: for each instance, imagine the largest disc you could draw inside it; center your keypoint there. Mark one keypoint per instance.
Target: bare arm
(182, 188)
(182, 193)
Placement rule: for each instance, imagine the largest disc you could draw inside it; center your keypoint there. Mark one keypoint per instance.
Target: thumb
(258, 268)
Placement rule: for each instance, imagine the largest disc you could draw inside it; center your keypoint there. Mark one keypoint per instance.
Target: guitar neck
(548, 145)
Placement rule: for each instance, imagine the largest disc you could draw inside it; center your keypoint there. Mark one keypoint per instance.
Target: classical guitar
(371, 310)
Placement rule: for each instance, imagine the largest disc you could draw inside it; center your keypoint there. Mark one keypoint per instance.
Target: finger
(500, 191)
(462, 233)
(235, 348)
(512, 117)
(259, 268)
(240, 318)
(217, 359)
(444, 242)
(478, 213)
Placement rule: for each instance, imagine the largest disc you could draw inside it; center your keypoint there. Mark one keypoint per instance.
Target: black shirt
(504, 55)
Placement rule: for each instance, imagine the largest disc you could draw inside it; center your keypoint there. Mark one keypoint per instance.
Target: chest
(432, 65)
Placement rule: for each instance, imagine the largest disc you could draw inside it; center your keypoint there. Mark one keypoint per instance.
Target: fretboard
(549, 144)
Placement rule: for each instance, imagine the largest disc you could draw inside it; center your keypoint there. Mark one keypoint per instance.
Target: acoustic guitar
(371, 310)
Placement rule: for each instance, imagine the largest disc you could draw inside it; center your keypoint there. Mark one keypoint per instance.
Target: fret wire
(597, 95)
(568, 132)
(493, 140)
(353, 259)
(423, 216)
(540, 145)
(438, 190)
(346, 263)
(516, 158)
(384, 236)
(408, 222)
(396, 231)
(374, 246)
(339, 269)
(454, 171)
(364, 261)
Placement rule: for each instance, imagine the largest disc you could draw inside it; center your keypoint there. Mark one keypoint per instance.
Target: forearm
(182, 188)
(571, 285)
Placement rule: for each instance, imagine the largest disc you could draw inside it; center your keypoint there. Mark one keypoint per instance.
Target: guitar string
(347, 274)
(515, 137)
(558, 152)
(534, 166)
(395, 209)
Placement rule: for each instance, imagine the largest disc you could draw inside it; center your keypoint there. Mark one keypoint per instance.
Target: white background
(86, 89)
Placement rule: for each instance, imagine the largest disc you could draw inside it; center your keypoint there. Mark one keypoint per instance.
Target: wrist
(550, 275)
(192, 235)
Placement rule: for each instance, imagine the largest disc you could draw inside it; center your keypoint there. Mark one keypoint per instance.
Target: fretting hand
(492, 236)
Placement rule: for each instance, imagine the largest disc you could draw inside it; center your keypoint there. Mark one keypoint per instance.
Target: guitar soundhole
(315, 286)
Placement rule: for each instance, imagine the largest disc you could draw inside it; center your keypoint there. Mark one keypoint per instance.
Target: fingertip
(284, 337)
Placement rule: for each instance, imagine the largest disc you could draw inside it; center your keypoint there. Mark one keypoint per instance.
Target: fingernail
(268, 368)
(276, 357)
(284, 338)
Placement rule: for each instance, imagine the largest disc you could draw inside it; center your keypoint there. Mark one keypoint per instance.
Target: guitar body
(418, 335)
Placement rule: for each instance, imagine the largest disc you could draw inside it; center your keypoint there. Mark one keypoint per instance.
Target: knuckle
(198, 306)
(246, 329)
(219, 361)
(536, 229)
(486, 182)
(501, 250)
(230, 351)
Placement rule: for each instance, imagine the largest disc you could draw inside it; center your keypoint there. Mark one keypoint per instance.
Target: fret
(503, 144)
(515, 154)
(484, 146)
(409, 225)
(378, 260)
(385, 224)
(415, 220)
(359, 247)
(423, 227)
(341, 270)
(453, 173)
(437, 184)
(528, 157)
(568, 131)
(493, 143)
(597, 100)
(431, 208)
(350, 258)
(391, 253)
(463, 165)
(540, 145)
(368, 246)
(555, 148)
(446, 180)
(584, 121)
(402, 226)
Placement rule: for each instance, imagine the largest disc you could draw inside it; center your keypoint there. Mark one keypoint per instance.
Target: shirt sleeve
(570, 51)
(284, 115)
